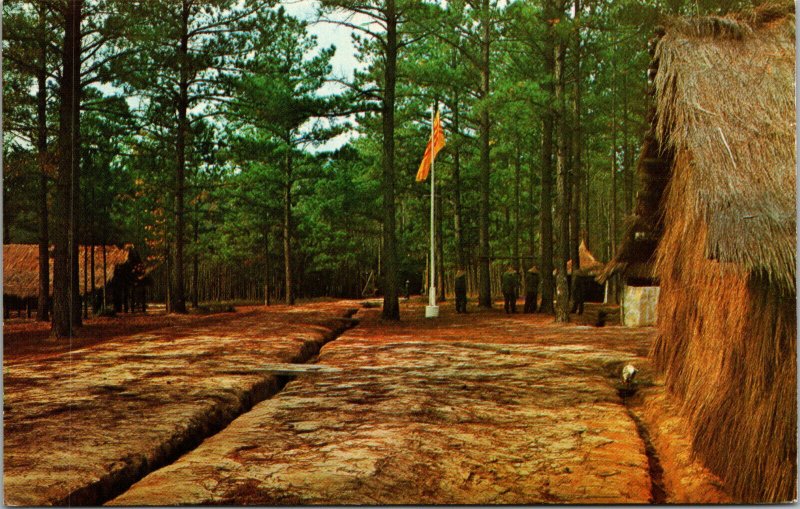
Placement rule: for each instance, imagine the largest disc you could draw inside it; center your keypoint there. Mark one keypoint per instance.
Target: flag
(435, 144)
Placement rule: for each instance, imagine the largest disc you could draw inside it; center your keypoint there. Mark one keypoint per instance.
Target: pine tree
(276, 100)
(175, 64)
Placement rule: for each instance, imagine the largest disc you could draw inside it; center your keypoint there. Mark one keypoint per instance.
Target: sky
(344, 60)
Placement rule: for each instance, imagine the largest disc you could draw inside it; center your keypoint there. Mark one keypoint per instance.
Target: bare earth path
(481, 409)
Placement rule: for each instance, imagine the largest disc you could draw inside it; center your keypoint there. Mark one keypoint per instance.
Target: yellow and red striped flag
(435, 144)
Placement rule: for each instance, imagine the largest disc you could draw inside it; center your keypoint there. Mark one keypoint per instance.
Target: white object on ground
(629, 373)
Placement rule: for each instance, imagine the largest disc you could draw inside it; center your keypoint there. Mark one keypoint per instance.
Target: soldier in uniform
(461, 291)
(510, 287)
(531, 289)
(580, 291)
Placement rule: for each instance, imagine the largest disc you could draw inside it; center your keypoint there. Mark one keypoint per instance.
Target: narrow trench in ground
(658, 494)
(114, 484)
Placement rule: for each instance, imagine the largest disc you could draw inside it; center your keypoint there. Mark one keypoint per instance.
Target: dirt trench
(118, 482)
(483, 409)
(658, 493)
(677, 476)
(118, 411)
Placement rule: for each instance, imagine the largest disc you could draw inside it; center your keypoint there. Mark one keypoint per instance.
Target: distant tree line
(194, 129)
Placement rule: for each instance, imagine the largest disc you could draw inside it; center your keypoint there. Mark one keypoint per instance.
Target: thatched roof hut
(21, 268)
(589, 265)
(715, 223)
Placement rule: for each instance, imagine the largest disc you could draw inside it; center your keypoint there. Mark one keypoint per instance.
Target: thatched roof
(589, 265)
(725, 115)
(21, 267)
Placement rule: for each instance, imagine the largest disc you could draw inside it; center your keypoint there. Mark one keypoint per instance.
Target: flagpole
(432, 310)
(432, 296)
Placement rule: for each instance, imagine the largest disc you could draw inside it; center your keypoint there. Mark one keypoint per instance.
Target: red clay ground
(80, 425)
(478, 409)
(482, 408)
(25, 339)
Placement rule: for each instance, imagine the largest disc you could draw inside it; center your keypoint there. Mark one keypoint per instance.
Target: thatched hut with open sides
(117, 269)
(718, 172)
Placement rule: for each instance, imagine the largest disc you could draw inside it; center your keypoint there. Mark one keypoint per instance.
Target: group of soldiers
(509, 284)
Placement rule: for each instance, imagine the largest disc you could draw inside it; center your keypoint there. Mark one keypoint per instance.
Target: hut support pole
(85, 281)
(105, 269)
(91, 255)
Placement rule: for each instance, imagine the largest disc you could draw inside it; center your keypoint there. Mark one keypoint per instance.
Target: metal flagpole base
(431, 310)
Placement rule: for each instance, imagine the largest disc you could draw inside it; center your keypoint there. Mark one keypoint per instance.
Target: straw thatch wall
(725, 119)
(21, 267)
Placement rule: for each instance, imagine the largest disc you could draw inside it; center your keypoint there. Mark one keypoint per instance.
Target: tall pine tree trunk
(391, 304)
(167, 274)
(441, 283)
(517, 177)
(195, 260)
(577, 148)
(612, 282)
(562, 211)
(627, 159)
(65, 278)
(287, 229)
(75, 212)
(613, 164)
(585, 204)
(568, 161)
(484, 281)
(531, 216)
(546, 214)
(458, 226)
(267, 269)
(178, 295)
(41, 142)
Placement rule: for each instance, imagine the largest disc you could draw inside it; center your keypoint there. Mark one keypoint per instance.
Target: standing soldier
(461, 291)
(510, 287)
(531, 289)
(580, 291)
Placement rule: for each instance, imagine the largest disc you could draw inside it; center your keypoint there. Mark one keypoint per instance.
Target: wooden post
(105, 280)
(85, 281)
(91, 265)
